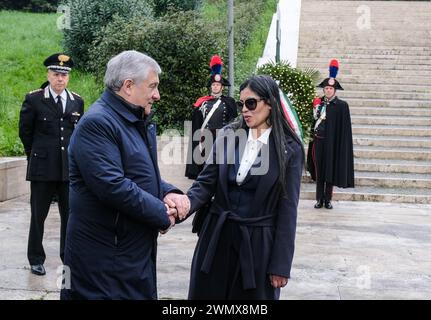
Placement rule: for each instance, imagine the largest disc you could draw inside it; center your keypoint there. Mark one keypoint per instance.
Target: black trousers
(40, 201)
(324, 191)
(323, 188)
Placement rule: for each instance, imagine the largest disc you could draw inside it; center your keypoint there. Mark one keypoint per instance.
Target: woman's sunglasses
(250, 104)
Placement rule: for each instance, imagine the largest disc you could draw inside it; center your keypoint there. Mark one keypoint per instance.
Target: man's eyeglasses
(250, 104)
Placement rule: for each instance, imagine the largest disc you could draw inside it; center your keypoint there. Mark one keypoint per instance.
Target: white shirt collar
(63, 95)
(263, 137)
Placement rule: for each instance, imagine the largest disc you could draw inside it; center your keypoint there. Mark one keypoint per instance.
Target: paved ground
(358, 250)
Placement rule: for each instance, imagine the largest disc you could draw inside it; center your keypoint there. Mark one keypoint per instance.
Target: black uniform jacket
(266, 235)
(45, 133)
(225, 113)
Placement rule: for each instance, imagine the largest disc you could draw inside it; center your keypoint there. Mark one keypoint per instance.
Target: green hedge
(89, 17)
(30, 5)
(180, 42)
(162, 7)
(297, 83)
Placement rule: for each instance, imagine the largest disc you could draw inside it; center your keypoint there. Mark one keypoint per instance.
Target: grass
(246, 59)
(26, 39)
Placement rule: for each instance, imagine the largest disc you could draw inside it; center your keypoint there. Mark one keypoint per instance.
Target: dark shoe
(319, 204)
(38, 269)
(328, 205)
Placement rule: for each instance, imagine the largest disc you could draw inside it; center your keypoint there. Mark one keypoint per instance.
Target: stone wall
(12, 178)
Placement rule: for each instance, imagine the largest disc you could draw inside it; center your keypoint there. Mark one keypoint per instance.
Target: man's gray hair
(130, 64)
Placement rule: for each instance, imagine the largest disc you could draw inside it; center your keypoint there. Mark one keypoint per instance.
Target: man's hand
(278, 281)
(171, 212)
(179, 201)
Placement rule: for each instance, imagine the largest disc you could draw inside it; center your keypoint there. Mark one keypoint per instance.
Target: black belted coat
(234, 255)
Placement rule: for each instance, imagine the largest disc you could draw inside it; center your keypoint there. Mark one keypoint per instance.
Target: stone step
(344, 48)
(385, 103)
(384, 95)
(379, 13)
(385, 180)
(413, 88)
(391, 120)
(393, 166)
(390, 38)
(380, 19)
(391, 141)
(354, 51)
(347, 27)
(376, 194)
(373, 71)
(383, 130)
(407, 112)
(359, 55)
(410, 80)
(369, 62)
(399, 153)
(304, 55)
(385, 8)
(377, 28)
(366, 68)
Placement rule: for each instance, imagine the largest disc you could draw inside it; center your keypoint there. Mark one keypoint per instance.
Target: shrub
(30, 5)
(180, 42)
(89, 17)
(161, 7)
(297, 83)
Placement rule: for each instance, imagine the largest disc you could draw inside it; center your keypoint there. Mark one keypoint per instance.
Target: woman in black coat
(246, 243)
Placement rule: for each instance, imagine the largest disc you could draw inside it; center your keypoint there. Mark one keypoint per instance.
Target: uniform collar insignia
(46, 92)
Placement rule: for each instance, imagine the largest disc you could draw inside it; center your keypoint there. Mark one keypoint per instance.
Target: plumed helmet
(331, 81)
(216, 67)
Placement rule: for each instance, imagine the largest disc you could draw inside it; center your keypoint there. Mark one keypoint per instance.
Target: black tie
(60, 104)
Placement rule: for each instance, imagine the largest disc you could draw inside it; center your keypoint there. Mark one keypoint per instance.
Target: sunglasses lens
(251, 103)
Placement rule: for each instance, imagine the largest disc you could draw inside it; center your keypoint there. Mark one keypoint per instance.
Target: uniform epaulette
(76, 94)
(34, 91)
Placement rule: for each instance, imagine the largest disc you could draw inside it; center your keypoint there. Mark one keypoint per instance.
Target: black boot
(319, 204)
(328, 205)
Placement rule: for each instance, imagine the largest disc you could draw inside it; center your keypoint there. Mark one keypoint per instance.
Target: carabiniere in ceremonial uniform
(47, 119)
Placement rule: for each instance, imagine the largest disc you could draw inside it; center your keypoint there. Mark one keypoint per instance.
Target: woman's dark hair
(266, 88)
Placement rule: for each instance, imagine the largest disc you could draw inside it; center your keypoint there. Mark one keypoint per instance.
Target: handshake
(177, 207)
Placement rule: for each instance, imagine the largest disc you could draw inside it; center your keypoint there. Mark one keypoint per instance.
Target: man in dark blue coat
(116, 194)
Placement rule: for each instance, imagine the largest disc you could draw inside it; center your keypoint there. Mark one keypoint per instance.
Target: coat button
(62, 148)
(44, 119)
(61, 119)
(62, 138)
(62, 128)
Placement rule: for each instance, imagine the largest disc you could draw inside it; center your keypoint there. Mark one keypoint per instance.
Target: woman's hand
(278, 281)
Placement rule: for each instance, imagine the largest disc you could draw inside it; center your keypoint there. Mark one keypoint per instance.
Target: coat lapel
(267, 180)
(232, 151)
(70, 103)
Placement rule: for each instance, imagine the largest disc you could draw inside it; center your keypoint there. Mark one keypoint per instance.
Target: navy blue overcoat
(116, 207)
